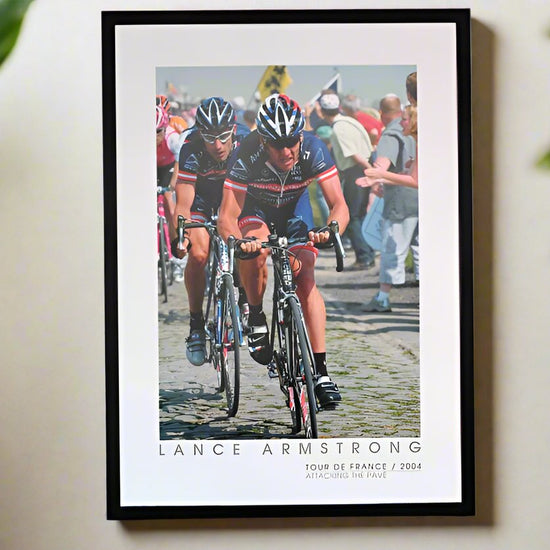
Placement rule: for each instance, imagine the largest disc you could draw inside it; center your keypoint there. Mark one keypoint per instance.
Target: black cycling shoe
(258, 341)
(327, 392)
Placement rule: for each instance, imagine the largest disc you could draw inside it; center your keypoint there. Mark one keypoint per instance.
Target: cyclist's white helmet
(214, 115)
(279, 117)
(162, 118)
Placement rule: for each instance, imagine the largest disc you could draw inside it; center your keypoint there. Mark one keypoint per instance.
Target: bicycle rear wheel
(163, 283)
(230, 349)
(301, 364)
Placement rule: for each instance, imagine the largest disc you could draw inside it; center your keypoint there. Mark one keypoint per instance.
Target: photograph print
(212, 385)
(270, 314)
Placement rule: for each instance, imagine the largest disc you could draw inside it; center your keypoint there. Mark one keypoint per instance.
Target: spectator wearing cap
(351, 148)
(351, 106)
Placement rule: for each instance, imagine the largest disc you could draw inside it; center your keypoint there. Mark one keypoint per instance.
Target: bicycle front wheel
(301, 363)
(230, 349)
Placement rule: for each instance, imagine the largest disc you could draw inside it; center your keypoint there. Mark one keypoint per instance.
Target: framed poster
(400, 440)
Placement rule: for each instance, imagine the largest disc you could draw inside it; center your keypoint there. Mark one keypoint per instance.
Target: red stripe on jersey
(276, 187)
(230, 184)
(327, 174)
(186, 177)
(213, 172)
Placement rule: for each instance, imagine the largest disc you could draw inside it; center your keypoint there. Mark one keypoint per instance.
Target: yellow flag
(275, 80)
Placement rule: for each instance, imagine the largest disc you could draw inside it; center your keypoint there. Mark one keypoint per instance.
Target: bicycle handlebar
(274, 242)
(333, 227)
(338, 246)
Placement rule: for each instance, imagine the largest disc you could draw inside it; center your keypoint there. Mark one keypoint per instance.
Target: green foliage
(544, 161)
(12, 13)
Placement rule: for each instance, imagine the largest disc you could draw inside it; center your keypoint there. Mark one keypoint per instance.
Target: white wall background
(52, 450)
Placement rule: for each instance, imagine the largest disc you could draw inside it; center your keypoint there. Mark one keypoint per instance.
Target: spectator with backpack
(395, 153)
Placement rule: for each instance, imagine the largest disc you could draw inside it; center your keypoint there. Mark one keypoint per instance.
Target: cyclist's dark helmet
(214, 115)
(279, 117)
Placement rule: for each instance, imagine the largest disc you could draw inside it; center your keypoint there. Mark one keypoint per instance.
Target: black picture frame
(454, 24)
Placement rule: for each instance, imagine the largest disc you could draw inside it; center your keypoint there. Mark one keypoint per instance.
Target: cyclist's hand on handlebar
(247, 249)
(318, 237)
(249, 246)
(180, 250)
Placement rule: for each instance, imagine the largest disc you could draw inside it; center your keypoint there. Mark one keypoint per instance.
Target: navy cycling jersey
(198, 168)
(251, 172)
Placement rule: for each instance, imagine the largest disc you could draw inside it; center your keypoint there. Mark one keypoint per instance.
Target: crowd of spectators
(375, 151)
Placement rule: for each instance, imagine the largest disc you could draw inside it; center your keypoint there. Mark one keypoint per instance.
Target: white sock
(382, 296)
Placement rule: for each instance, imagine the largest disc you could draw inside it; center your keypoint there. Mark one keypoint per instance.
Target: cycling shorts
(203, 209)
(293, 221)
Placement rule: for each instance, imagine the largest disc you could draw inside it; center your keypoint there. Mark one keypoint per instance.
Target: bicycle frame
(284, 292)
(221, 262)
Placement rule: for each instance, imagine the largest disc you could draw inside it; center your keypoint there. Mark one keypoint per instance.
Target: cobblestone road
(373, 357)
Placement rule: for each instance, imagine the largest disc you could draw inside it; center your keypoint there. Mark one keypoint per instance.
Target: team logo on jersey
(296, 171)
(192, 163)
(255, 156)
(239, 168)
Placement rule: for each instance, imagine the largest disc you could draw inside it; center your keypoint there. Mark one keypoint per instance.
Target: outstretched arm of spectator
(374, 175)
(376, 186)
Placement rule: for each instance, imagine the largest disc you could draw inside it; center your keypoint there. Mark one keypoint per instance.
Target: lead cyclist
(267, 183)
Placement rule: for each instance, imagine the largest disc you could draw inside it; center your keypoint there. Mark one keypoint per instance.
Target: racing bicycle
(223, 319)
(293, 361)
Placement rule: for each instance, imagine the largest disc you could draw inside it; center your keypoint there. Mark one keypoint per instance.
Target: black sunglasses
(283, 143)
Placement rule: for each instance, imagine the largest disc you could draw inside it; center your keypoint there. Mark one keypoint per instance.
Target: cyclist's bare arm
(168, 195)
(174, 177)
(338, 209)
(230, 210)
(185, 194)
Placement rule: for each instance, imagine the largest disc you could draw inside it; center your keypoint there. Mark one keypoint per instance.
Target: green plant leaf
(544, 161)
(12, 13)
